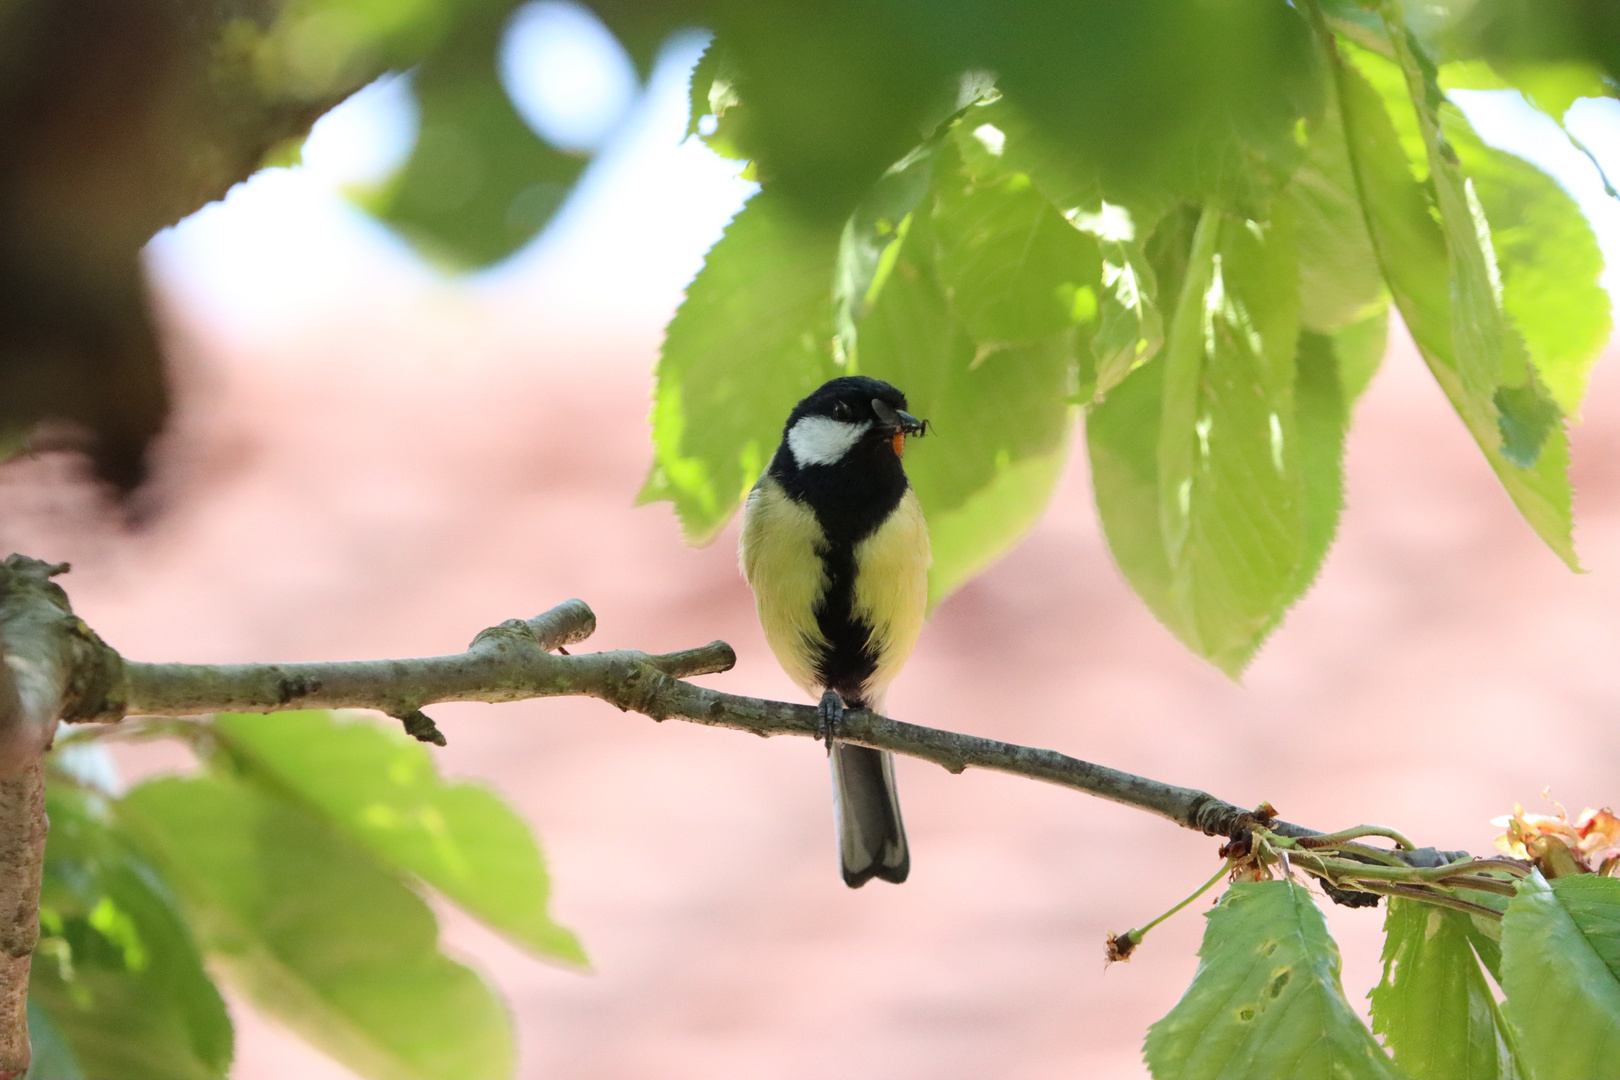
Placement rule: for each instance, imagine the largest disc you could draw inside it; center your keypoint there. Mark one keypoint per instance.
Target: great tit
(836, 549)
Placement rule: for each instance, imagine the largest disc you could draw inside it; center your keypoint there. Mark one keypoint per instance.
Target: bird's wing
(780, 555)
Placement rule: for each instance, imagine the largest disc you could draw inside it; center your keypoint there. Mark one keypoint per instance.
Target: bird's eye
(841, 411)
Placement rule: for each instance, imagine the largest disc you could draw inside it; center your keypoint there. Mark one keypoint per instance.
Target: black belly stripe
(848, 660)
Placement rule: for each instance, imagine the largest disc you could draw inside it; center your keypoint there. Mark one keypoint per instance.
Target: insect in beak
(902, 422)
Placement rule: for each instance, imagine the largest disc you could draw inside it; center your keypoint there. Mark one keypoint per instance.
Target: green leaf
(1478, 329)
(701, 86)
(1012, 267)
(714, 93)
(1321, 418)
(1417, 264)
(479, 183)
(836, 92)
(996, 140)
(1434, 1007)
(381, 788)
(1266, 1001)
(318, 50)
(1130, 328)
(1122, 438)
(1360, 348)
(317, 933)
(999, 418)
(1549, 260)
(52, 1060)
(752, 338)
(1161, 101)
(1340, 282)
(1229, 484)
(1551, 87)
(871, 239)
(1561, 974)
(116, 968)
(996, 144)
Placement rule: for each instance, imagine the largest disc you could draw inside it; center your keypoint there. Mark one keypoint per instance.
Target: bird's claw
(829, 717)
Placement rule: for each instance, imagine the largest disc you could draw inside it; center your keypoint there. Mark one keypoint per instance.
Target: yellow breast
(787, 576)
(891, 588)
(781, 549)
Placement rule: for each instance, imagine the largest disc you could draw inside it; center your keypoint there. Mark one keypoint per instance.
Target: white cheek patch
(821, 440)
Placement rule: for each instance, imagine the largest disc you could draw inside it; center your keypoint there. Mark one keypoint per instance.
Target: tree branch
(515, 661)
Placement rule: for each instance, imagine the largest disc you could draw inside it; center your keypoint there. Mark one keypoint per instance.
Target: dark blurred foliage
(1515, 33)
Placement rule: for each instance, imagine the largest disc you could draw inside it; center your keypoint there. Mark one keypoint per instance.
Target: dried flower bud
(1559, 847)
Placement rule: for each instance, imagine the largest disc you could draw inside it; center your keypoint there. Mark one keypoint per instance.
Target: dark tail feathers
(871, 836)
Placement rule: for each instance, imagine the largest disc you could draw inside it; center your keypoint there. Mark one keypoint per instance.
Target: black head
(840, 455)
(849, 421)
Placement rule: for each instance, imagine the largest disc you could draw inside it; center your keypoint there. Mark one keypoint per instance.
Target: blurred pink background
(393, 462)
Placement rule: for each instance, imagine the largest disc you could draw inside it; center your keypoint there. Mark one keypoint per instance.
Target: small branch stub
(420, 726)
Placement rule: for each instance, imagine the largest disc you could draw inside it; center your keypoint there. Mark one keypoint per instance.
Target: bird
(835, 547)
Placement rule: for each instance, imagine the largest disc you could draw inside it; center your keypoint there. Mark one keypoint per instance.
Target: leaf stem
(1337, 838)
(1121, 946)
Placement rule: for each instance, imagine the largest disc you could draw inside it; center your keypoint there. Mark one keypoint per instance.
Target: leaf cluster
(294, 866)
(1207, 271)
(1267, 1001)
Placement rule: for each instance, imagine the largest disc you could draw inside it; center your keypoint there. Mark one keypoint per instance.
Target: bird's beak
(900, 422)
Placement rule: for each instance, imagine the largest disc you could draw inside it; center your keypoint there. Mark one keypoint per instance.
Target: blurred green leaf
(701, 86)
(1434, 1008)
(997, 140)
(52, 1060)
(1492, 359)
(752, 338)
(1514, 34)
(1160, 99)
(871, 239)
(1013, 269)
(317, 934)
(1321, 419)
(1266, 1001)
(116, 968)
(1130, 327)
(1417, 264)
(479, 183)
(713, 92)
(1551, 87)
(999, 418)
(1549, 261)
(316, 49)
(997, 144)
(381, 788)
(1122, 437)
(1479, 335)
(835, 93)
(1359, 349)
(1340, 281)
(1561, 974)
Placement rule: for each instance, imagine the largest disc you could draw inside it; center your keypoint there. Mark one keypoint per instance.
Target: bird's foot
(831, 716)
